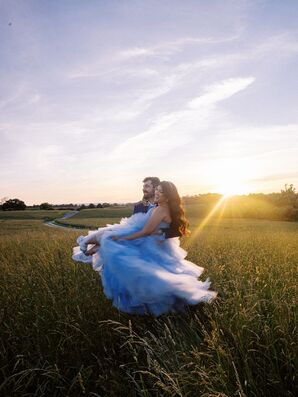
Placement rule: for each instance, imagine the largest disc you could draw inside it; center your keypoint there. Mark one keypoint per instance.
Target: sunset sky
(97, 95)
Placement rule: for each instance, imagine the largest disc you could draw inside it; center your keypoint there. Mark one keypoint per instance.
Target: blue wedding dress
(148, 275)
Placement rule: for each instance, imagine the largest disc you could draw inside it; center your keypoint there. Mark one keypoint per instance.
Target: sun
(231, 177)
(232, 188)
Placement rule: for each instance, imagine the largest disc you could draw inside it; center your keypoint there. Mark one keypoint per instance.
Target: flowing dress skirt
(149, 275)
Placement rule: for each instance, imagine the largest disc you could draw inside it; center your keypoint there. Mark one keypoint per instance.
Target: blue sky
(96, 95)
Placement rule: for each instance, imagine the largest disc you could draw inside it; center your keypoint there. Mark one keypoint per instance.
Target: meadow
(94, 218)
(60, 337)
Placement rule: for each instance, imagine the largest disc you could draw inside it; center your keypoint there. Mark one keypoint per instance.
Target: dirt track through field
(65, 216)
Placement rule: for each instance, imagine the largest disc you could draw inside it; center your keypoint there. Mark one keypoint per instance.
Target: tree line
(19, 205)
(277, 206)
(282, 205)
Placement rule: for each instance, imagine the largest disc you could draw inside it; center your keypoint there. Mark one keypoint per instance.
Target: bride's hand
(117, 238)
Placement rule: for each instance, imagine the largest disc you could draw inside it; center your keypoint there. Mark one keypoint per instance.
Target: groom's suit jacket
(141, 207)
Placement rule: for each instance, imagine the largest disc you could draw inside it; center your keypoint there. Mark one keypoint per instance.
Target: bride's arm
(154, 220)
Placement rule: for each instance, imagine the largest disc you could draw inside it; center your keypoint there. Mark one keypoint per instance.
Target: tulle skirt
(149, 275)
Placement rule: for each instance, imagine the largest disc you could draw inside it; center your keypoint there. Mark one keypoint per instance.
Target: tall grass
(59, 336)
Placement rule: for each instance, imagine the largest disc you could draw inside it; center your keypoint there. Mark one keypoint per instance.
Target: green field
(98, 217)
(31, 214)
(60, 337)
(94, 218)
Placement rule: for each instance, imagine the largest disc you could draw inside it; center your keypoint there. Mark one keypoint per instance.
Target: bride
(141, 271)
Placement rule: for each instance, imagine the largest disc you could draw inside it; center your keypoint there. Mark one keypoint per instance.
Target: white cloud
(177, 128)
(135, 52)
(114, 63)
(170, 47)
(22, 97)
(220, 91)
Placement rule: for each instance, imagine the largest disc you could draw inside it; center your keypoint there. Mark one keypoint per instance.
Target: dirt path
(65, 216)
(69, 214)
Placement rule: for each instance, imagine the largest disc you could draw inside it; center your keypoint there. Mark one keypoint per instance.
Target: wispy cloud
(117, 63)
(100, 68)
(170, 47)
(220, 91)
(175, 129)
(277, 177)
(23, 96)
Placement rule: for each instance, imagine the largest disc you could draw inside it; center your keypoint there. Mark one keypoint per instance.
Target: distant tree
(99, 205)
(91, 205)
(2, 200)
(289, 190)
(105, 205)
(289, 195)
(46, 206)
(14, 205)
(82, 207)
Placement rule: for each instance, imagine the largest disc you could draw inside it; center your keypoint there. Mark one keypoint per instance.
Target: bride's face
(160, 197)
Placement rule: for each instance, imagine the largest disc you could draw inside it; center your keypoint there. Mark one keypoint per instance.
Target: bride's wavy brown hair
(179, 222)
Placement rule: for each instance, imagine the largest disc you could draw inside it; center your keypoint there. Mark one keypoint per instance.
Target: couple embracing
(142, 266)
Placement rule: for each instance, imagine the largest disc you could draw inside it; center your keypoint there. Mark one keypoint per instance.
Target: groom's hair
(155, 181)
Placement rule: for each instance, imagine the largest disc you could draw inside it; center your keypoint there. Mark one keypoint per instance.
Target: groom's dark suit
(141, 207)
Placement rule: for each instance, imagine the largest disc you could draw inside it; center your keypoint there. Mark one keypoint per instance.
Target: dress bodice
(163, 224)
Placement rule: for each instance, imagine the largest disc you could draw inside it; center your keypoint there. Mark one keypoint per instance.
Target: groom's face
(148, 190)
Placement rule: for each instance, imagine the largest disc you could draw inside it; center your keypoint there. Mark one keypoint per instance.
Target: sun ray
(221, 209)
(214, 210)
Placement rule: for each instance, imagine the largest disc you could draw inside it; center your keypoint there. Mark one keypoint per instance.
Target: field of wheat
(60, 336)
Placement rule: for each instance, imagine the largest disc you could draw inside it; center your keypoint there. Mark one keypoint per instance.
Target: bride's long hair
(179, 222)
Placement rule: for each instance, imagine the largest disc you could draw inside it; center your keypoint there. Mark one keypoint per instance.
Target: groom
(149, 185)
